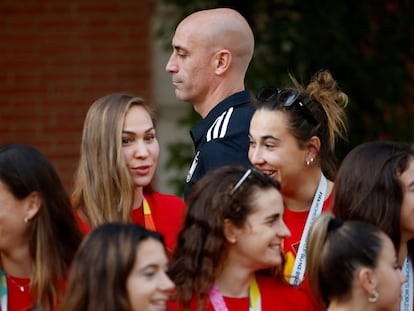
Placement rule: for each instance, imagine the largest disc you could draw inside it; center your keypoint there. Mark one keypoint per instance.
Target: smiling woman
(119, 156)
(228, 255)
(292, 139)
(119, 267)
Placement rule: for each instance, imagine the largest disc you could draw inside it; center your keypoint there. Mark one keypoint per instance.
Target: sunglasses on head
(288, 98)
(250, 171)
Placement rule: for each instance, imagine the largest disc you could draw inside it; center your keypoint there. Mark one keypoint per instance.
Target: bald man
(212, 50)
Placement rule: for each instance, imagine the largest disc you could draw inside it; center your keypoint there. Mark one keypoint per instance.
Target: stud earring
(26, 219)
(309, 162)
(374, 296)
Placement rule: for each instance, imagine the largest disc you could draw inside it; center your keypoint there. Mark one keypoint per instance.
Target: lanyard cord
(255, 300)
(407, 287)
(315, 210)
(3, 293)
(148, 220)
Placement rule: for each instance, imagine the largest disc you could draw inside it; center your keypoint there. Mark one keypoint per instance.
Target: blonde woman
(119, 156)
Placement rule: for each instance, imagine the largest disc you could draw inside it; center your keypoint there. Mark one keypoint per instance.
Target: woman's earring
(309, 162)
(26, 219)
(374, 296)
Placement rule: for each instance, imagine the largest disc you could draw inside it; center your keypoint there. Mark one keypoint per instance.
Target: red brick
(59, 58)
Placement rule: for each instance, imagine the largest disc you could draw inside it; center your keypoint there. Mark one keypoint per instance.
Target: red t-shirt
(167, 212)
(296, 221)
(275, 295)
(16, 299)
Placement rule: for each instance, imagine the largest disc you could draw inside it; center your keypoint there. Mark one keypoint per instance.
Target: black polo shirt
(221, 138)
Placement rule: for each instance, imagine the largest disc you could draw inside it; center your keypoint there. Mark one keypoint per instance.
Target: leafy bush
(366, 44)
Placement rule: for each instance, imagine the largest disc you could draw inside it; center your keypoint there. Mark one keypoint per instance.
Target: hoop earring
(374, 296)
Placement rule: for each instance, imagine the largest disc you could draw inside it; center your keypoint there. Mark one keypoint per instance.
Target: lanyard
(255, 301)
(315, 211)
(407, 287)
(3, 292)
(148, 220)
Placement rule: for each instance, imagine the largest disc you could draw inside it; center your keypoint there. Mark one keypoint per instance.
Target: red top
(296, 221)
(275, 295)
(167, 211)
(16, 299)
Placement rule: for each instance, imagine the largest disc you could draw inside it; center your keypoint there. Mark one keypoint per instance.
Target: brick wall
(57, 57)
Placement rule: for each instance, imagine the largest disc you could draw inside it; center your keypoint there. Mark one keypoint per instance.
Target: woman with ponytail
(292, 139)
(352, 266)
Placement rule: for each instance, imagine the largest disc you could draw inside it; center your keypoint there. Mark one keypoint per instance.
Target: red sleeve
(168, 213)
(278, 295)
(83, 225)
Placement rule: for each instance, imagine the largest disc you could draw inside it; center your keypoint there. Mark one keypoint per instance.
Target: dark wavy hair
(221, 194)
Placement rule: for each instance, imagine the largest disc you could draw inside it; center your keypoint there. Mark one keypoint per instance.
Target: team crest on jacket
(193, 167)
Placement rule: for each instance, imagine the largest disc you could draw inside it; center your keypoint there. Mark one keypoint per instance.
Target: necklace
(19, 286)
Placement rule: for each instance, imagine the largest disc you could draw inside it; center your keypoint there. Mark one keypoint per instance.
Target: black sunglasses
(287, 98)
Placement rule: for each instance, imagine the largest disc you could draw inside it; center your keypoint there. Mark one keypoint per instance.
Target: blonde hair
(103, 188)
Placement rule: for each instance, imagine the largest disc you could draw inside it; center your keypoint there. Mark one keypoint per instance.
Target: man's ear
(222, 61)
(230, 231)
(33, 205)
